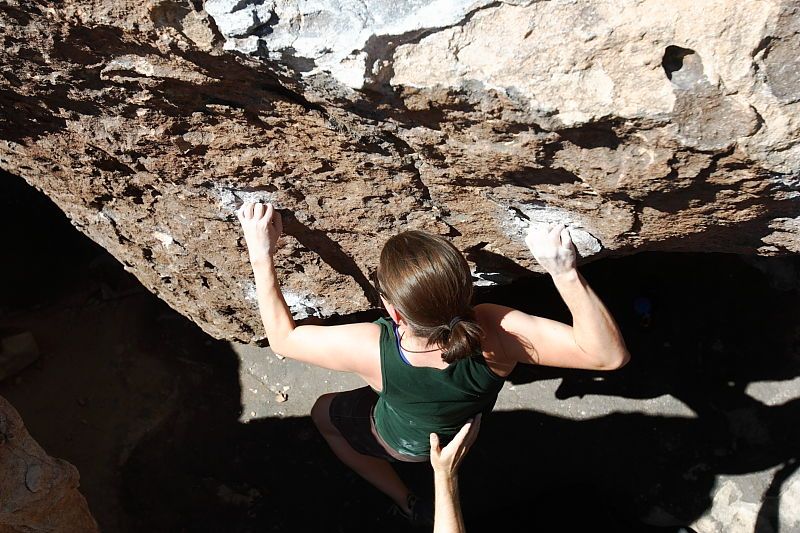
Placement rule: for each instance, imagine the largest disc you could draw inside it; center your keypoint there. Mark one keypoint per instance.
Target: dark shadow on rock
(205, 472)
(596, 135)
(640, 465)
(329, 251)
(526, 177)
(706, 188)
(769, 513)
(494, 268)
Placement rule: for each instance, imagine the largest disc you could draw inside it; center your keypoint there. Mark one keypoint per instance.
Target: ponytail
(459, 339)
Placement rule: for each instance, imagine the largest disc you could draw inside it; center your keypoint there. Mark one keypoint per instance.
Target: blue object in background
(643, 308)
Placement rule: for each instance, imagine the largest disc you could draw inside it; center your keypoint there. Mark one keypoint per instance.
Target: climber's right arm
(593, 341)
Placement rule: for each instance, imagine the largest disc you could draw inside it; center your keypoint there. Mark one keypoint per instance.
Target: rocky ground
(172, 430)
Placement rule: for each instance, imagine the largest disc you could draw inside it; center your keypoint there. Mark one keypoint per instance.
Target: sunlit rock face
(644, 125)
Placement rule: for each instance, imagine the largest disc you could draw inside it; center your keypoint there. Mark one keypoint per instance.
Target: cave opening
(162, 424)
(683, 66)
(673, 59)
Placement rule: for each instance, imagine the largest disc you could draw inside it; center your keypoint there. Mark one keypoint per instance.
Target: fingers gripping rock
(586, 243)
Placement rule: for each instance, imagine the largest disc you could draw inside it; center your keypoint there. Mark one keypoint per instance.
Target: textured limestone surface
(645, 125)
(39, 493)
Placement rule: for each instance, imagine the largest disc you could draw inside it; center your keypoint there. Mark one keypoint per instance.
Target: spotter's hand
(551, 245)
(262, 227)
(446, 460)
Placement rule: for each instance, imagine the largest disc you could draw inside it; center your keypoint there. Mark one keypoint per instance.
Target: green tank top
(418, 401)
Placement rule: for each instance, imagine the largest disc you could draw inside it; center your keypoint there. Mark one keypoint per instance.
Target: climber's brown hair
(429, 283)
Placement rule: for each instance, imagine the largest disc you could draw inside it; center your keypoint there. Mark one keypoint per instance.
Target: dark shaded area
(700, 327)
(43, 256)
(526, 177)
(595, 135)
(498, 268)
(702, 191)
(673, 59)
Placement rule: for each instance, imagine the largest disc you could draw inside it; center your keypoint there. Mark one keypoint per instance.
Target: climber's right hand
(262, 228)
(551, 245)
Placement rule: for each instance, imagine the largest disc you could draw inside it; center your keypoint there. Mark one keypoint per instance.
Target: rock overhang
(650, 128)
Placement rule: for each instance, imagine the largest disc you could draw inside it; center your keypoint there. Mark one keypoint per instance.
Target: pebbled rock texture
(39, 493)
(645, 125)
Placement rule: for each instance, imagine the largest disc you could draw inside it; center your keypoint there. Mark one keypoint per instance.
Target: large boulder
(645, 125)
(39, 493)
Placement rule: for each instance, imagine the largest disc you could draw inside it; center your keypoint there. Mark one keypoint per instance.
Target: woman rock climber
(437, 361)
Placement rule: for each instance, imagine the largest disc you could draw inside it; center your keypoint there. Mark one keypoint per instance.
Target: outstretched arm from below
(445, 462)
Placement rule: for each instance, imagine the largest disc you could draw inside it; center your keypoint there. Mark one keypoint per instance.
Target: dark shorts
(351, 412)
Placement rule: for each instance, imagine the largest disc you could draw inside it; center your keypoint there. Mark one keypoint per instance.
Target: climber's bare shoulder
(512, 336)
(490, 317)
(347, 348)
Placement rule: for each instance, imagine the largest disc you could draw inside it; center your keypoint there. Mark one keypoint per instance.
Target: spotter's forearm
(447, 513)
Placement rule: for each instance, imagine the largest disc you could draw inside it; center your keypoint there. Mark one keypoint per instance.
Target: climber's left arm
(262, 228)
(347, 348)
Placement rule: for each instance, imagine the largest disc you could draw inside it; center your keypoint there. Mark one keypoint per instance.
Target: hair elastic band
(455, 321)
